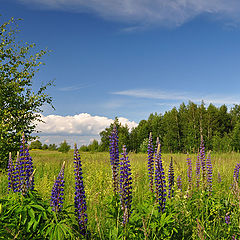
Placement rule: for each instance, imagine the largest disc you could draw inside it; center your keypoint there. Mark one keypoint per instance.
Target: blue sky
(129, 58)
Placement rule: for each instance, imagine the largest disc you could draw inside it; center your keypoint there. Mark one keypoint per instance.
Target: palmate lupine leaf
(80, 197)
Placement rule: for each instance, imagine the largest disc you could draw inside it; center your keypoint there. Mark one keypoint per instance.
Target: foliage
(52, 147)
(64, 147)
(29, 217)
(179, 129)
(20, 105)
(44, 147)
(36, 145)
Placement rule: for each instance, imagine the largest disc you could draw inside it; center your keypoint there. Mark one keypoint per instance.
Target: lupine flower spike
(17, 174)
(227, 219)
(189, 172)
(219, 178)
(236, 172)
(80, 198)
(198, 169)
(203, 160)
(179, 183)
(114, 157)
(150, 162)
(209, 172)
(171, 180)
(160, 181)
(125, 186)
(11, 173)
(58, 191)
(25, 167)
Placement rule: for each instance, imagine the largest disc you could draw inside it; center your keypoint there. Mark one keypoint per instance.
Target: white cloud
(145, 12)
(179, 96)
(82, 124)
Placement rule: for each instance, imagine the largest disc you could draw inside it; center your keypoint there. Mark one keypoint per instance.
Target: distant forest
(180, 130)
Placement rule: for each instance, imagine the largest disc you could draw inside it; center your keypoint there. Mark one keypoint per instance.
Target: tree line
(180, 129)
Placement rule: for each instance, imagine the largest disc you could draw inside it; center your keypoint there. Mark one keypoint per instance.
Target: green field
(193, 215)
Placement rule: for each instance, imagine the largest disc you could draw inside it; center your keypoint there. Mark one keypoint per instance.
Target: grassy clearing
(97, 179)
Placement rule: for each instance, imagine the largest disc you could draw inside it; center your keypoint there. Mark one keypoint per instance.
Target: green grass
(184, 210)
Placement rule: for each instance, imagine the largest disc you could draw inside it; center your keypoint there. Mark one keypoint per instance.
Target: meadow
(190, 214)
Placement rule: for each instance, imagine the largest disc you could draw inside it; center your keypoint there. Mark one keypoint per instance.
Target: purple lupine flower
(219, 178)
(171, 180)
(58, 191)
(156, 147)
(189, 172)
(203, 160)
(234, 237)
(11, 174)
(236, 172)
(179, 183)
(160, 182)
(227, 219)
(125, 186)
(198, 169)
(150, 161)
(25, 167)
(114, 157)
(80, 198)
(209, 172)
(17, 174)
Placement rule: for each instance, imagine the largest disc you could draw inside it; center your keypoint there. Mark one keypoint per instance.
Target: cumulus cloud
(145, 12)
(82, 124)
(179, 96)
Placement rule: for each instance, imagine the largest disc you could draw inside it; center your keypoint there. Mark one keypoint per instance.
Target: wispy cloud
(73, 88)
(180, 96)
(142, 12)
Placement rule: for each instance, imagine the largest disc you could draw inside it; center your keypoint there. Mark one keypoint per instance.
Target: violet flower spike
(171, 180)
(17, 174)
(150, 162)
(25, 167)
(160, 182)
(209, 172)
(179, 183)
(236, 172)
(219, 178)
(58, 191)
(189, 172)
(11, 173)
(114, 158)
(80, 198)
(227, 219)
(203, 160)
(125, 186)
(198, 169)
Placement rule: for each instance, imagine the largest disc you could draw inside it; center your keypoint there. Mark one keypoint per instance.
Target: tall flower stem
(171, 180)
(150, 162)
(114, 158)
(11, 173)
(58, 191)
(160, 181)
(209, 172)
(125, 186)
(80, 198)
(189, 172)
